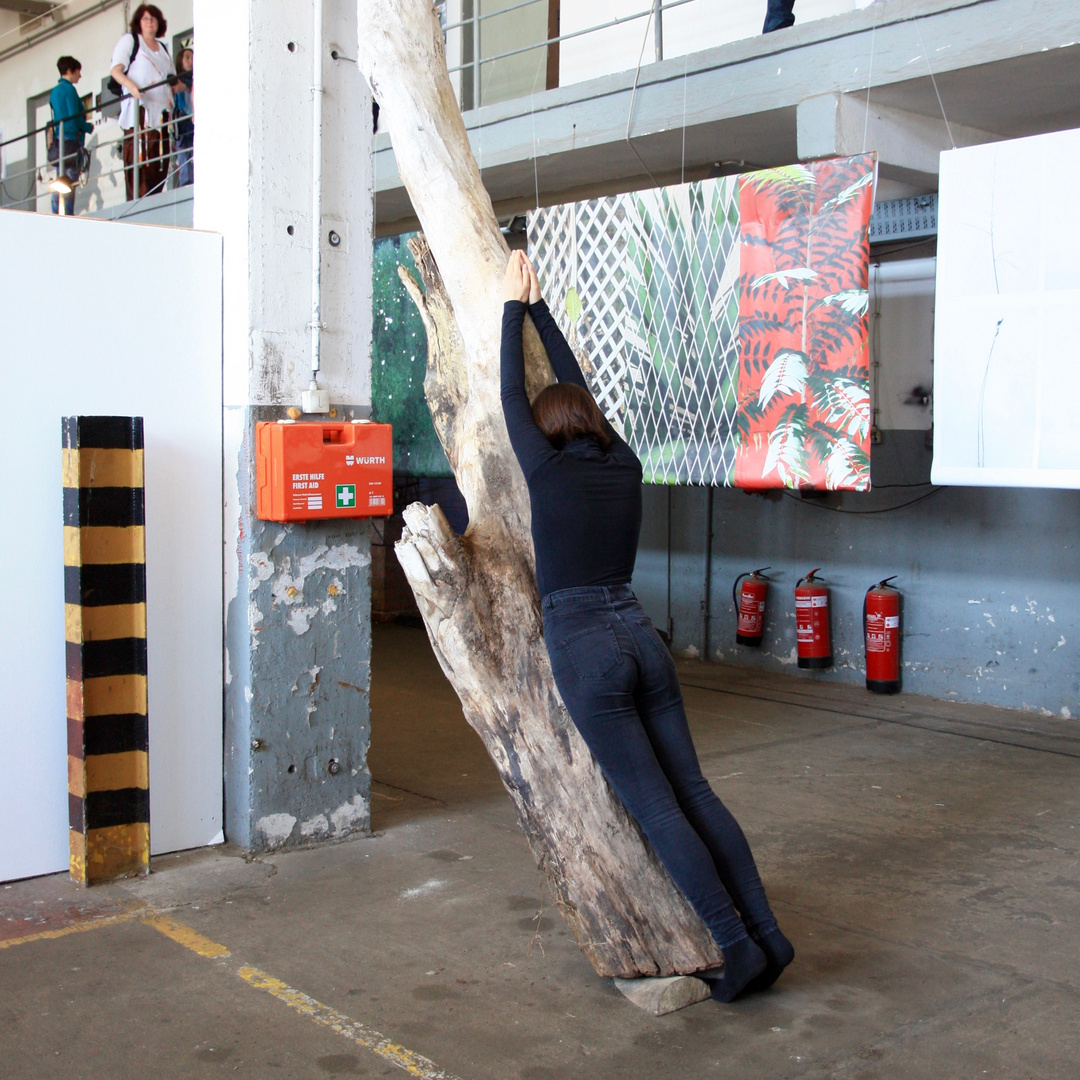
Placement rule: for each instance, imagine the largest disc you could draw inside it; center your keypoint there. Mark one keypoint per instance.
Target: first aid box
(312, 470)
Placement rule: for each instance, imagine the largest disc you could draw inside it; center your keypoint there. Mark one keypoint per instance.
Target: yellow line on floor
(187, 937)
(74, 928)
(413, 1063)
(403, 1058)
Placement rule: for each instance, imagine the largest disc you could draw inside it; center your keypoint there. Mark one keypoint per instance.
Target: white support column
(297, 598)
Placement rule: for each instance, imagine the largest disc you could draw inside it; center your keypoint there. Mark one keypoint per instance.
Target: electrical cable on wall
(858, 513)
(906, 246)
(29, 191)
(315, 399)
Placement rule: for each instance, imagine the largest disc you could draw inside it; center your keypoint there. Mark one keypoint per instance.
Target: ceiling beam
(28, 7)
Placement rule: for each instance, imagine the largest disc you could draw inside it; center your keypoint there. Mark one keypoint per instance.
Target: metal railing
(76, 163)
(472, 26)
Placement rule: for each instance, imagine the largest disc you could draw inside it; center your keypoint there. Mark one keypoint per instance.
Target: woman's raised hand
(534, 282)
(516, 285)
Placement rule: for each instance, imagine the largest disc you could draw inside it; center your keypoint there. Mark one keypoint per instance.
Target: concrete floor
(922, 857)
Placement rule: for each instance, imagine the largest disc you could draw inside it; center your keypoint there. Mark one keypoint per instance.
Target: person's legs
(156, 167)
(185, 165)
(73, 175)
(780, 13)
(166, 156)
(594, 661)
(659, 702)
(128, 149)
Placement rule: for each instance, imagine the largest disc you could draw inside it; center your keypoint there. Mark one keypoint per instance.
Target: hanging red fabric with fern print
(804, 415)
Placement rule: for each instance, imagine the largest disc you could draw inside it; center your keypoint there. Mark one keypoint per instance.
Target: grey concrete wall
(298, 671)
(990, 578)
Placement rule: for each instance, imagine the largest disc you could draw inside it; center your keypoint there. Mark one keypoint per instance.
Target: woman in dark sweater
(615, 675)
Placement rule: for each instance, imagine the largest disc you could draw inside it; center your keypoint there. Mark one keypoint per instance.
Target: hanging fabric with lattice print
(721, 325)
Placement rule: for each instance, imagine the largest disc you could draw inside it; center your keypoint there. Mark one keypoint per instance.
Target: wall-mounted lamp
(62, 187)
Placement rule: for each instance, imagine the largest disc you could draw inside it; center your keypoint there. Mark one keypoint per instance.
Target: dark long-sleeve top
(586, 502)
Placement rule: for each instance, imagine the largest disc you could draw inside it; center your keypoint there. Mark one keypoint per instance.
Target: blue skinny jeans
(620, 686)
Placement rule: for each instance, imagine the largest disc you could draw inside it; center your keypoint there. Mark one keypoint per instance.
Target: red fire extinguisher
(750, 605)
(881, 623)
(812, 622)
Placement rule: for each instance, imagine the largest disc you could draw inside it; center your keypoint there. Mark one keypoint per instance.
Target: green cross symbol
(346, 495)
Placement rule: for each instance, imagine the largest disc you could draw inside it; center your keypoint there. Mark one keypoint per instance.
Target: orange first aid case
(308, 470)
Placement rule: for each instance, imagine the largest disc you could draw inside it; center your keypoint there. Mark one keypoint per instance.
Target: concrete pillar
(297, 597)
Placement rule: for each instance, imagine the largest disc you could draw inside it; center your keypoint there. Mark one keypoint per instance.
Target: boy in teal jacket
(67, 107)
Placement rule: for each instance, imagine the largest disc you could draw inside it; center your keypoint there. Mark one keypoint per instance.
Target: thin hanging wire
(532, 119)
(478, 68)
(682, 167)
(926, 57)
(633, 98)
(870, 80)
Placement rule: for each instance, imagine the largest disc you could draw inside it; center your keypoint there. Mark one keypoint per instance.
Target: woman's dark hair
(565, 411)
(153, 9)
(68, 63)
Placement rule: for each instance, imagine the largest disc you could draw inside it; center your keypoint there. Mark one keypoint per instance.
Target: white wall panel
(144, 339)
(1008, 288)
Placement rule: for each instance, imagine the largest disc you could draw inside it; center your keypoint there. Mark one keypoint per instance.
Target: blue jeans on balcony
(185, 166)
(621, 688)
(779, 14)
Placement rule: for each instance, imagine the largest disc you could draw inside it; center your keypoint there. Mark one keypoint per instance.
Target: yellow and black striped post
(105, 617)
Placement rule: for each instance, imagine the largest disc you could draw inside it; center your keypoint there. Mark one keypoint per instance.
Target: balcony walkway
(1003, 68)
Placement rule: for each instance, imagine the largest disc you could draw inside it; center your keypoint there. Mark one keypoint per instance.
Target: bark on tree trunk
(477, 592)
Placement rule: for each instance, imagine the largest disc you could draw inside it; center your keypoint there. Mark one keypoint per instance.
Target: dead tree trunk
(477, 593)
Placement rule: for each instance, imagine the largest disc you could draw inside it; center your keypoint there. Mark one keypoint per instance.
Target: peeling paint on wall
(276, 828)
(299, 640)
(350, 815)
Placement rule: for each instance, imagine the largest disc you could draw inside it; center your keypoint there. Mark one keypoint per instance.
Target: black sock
(779, 952)
(743, 962)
